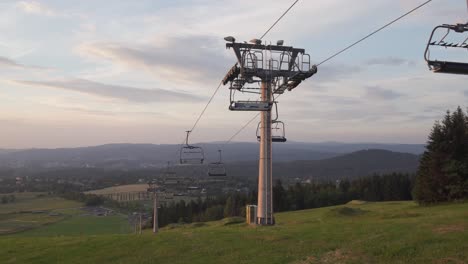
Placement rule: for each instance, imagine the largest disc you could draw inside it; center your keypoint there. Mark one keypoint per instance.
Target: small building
(251, 214)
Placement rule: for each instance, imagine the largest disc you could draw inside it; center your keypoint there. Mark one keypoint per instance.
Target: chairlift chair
(238, 85)
(280, 136)
(278, 132)
(191, 154)
(169, 172)
(444, 66)
(217, 169)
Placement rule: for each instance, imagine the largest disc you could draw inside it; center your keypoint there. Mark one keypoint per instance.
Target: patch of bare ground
(340, 256)
(337, 256)
(308, 260)
(449, 229)
(449, 261)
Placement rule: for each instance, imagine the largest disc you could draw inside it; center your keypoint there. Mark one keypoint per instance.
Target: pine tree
(229, 207)
(443, 169)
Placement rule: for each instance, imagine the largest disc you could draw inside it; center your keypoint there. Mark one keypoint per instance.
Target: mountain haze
(148, 155)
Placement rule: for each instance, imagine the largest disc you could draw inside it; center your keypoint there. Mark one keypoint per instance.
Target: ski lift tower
(153, 188)
(276, 68)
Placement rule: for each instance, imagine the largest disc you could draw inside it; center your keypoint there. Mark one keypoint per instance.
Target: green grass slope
(33, 210)
(77, 225)
(393, 232)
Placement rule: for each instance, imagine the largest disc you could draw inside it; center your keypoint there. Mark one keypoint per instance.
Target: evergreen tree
(279, 197)
(229, 207)
(443, 169)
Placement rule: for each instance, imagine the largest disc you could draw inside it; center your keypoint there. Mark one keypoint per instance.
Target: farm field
(33, 210)
(120, 189)
(36, 202)
(37, 214)
(83, 225)
(390, 232)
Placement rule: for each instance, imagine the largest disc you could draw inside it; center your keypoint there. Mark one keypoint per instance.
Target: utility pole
(276, 68)
(140, 226)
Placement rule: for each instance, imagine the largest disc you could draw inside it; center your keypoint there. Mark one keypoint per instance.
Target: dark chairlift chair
(444, 66)
(217, 169)
(191, 154)
(277, 130)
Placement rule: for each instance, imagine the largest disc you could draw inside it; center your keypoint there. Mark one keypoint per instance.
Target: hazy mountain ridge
(148, 155)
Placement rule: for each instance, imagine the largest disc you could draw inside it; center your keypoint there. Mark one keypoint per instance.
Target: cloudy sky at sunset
(80, 73)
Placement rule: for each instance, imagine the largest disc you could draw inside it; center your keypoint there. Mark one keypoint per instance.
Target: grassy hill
(392, 232)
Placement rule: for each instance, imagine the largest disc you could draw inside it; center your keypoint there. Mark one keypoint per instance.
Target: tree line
(8, 199)
(389, 187)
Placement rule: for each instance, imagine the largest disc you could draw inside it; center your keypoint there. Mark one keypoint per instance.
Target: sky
(82, 73)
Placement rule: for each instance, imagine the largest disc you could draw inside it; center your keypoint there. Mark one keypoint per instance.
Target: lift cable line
(278, 20)
(335, 55)
(206, 107)
(241, 129)
(219, 86)
(374, 32)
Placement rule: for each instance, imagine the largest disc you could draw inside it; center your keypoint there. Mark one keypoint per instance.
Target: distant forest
(389, 187)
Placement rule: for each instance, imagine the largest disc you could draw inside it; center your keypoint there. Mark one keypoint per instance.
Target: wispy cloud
(120, 92)
(179, 58)
(362, 113)
(34, 7)
(378, 93)
(336, 72)
(9, 63)
(389, 61)
(5, 62)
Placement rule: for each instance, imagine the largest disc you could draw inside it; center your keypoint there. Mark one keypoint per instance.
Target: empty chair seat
(250, 106)
(448, 67)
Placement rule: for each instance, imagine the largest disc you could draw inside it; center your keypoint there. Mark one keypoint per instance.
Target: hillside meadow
(359, 232)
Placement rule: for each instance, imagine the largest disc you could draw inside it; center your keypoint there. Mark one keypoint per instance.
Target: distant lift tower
(153, 187)
(273, 69)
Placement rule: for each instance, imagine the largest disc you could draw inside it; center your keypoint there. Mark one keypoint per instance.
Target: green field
(33, 210)
(36, 214)
(392, 232)
(36, 202)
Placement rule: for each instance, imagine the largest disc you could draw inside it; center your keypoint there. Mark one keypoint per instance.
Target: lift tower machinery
(267, 70)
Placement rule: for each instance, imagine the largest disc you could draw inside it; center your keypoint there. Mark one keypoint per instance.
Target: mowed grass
(32, 210)
(393, 232)
(79, 225)
(36, 202)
